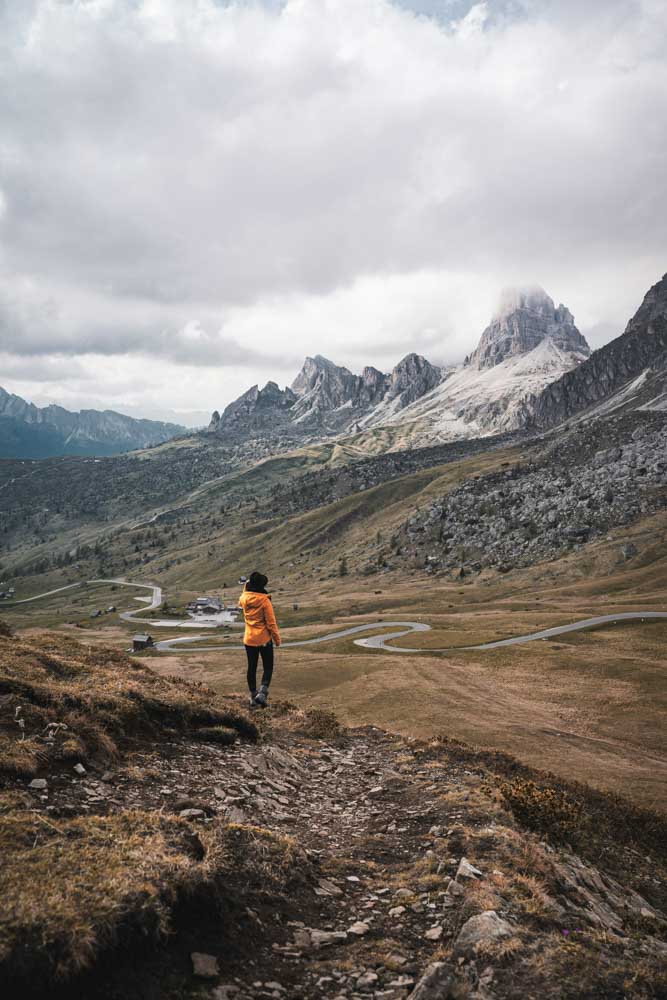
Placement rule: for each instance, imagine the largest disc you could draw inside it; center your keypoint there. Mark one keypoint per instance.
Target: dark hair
(257, 582)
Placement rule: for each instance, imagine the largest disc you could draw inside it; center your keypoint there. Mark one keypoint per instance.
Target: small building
(206, 606)
(140, 642)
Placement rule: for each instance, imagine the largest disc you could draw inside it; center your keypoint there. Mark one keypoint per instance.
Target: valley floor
(588, 706)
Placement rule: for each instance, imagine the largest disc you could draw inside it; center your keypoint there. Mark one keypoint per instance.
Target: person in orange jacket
(261, 632)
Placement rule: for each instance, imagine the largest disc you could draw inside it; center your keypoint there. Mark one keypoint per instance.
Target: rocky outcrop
(587, 483)
(324, 388)
(29, 431)
(325, 399)
(412, 378)
(524, 319)
(641, 348)
(257, 410)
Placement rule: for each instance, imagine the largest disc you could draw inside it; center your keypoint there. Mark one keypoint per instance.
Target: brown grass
(60, 702)
(75, 889)
(313, 723)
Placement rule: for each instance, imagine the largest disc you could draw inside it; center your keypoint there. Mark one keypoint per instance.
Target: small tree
(342, 566)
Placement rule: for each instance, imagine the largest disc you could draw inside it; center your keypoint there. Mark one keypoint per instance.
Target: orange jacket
(260, 621)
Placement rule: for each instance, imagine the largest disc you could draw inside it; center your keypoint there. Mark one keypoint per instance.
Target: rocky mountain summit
(525, 318)
(630, 371)
(325, 399)
(528, 344)
(29, 431)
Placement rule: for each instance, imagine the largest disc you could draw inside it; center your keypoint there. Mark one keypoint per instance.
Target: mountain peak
(524, 318)
(531, 297)
(312, 370)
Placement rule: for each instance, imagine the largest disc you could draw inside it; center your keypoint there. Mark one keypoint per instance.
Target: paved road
(176, 645)
(185, 644)
(26, 600)
(133, 616)
(405, 628)
(379, 641)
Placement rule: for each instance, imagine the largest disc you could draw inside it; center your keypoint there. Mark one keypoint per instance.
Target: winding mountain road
(380, 641)
(187, 644)
(47, 593)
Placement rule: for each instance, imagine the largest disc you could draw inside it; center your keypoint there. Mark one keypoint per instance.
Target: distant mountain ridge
(529, 343)
(29, 431)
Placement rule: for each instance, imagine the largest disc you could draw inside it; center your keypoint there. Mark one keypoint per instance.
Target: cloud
(238, 184)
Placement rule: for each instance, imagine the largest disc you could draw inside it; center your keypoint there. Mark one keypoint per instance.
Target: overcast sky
(194, 195)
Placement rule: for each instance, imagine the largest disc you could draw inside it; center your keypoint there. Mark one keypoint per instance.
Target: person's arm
(270, 622)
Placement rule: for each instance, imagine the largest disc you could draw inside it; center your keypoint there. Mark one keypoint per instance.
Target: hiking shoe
(253, 702)
(262, 698)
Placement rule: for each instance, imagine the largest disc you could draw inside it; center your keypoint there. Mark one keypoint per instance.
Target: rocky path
(406, 861)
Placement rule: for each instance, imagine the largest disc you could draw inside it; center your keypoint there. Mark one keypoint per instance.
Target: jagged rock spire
(525, 317)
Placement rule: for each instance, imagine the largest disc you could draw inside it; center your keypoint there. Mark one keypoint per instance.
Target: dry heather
(60, 702)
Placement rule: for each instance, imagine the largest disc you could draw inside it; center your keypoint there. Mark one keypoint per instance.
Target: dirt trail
(385, 826)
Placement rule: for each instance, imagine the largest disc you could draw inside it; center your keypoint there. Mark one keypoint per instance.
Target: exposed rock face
(580, 486)
(258, 410)
(29, 431)
(529, 344)
(411, 379)
(325, 399)
(642, 348)
(324, 387)
(525, 318)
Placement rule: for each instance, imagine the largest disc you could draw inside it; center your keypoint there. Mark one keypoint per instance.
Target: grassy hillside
(182, 513)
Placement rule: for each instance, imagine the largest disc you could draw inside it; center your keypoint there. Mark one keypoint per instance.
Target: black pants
(253, 653)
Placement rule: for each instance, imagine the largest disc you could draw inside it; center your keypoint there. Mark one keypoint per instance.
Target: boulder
(481, 930)
(434, 984)
(466, 870)
(359, 928)
(204, 966)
